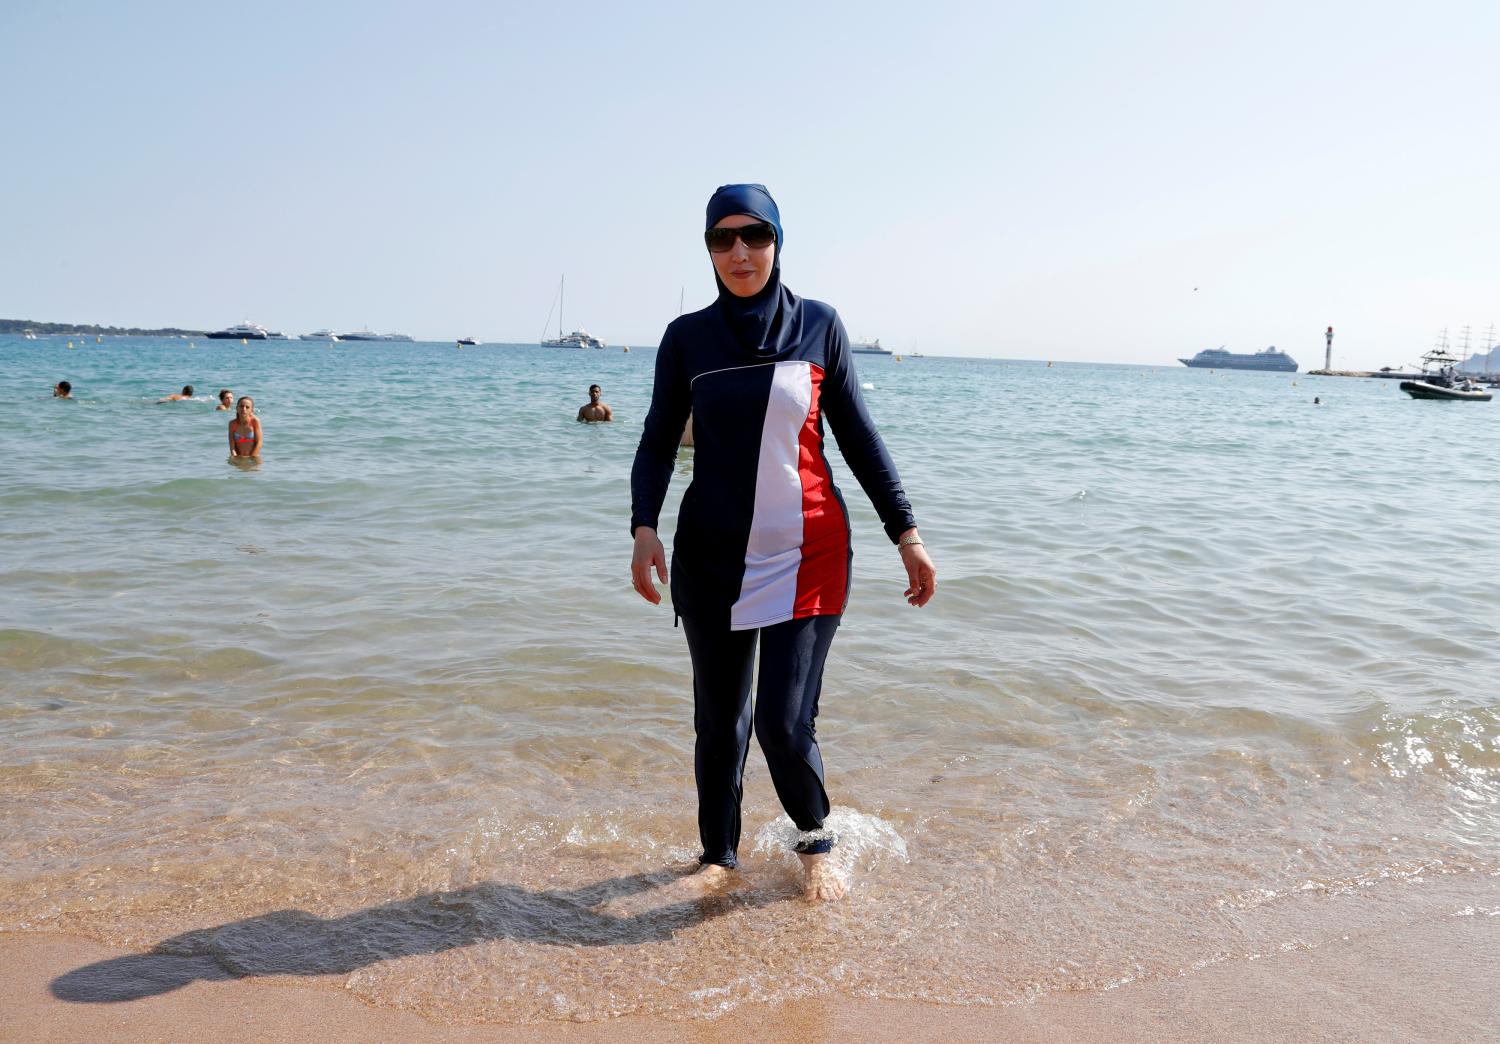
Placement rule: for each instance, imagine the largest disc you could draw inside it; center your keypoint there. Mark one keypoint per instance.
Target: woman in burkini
(244, 430)
(762, 547)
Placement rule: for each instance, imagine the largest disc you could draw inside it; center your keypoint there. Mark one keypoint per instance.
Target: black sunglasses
(720, 240)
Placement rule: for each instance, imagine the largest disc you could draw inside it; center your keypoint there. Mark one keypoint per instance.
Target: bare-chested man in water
(595, 410)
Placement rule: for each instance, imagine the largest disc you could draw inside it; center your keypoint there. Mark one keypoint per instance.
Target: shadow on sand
(292, 942)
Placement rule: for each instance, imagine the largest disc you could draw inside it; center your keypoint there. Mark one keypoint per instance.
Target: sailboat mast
(562, 285)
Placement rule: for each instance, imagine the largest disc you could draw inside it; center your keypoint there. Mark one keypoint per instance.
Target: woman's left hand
(921, 574)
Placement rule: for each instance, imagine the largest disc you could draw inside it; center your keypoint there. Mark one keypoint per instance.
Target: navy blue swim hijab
(771, 321)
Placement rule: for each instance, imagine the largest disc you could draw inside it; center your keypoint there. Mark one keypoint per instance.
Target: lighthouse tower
(1328, 355)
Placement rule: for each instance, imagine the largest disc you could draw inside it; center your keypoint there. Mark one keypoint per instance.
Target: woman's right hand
(648, 553)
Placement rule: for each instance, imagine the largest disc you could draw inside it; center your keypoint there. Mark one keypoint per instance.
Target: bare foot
(820, 881)
(698, 882)
(705, 880)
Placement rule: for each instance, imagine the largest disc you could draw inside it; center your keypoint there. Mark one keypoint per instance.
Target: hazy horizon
(1080, 183)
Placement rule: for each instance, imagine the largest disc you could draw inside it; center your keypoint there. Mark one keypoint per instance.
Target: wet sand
(1428, 981)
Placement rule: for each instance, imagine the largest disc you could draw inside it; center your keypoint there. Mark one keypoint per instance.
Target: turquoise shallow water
(1211, 672)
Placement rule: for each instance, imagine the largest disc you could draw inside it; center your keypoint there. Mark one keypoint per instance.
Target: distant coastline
(17, 326)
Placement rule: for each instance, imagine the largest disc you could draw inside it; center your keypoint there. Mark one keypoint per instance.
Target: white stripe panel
(768, 592)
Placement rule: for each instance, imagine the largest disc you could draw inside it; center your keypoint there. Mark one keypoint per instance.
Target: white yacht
(320, 335)
(869, 348)
(576, 339)
(241, 332)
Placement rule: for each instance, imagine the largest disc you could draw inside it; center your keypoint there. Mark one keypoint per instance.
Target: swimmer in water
(187, 393)
(595, 410)
(244, 430)
(226, 400)
(62, 390)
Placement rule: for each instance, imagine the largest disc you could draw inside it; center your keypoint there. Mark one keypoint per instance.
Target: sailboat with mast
(576, 339)
(1485, 362)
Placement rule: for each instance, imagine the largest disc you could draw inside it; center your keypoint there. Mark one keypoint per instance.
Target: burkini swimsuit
(762, 534)
(762, 548)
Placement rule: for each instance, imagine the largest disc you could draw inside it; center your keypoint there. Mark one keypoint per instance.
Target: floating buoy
(70, 344)
(98, 340)
(243, 341)
(898, 358)
(627, 349)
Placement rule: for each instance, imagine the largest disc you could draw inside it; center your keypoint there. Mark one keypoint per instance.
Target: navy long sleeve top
(763, 532)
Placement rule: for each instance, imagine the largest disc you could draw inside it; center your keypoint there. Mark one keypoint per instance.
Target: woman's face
(744, 270)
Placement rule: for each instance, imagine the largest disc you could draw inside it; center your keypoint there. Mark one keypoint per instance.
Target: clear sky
(1114, 182)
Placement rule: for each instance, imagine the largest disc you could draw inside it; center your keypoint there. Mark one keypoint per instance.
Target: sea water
(1211, 673)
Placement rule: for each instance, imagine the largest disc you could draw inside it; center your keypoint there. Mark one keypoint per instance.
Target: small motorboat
(1461, 390)
(467, 340)
(1441, 380)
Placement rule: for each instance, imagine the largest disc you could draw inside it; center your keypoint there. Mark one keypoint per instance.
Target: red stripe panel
(823, 577)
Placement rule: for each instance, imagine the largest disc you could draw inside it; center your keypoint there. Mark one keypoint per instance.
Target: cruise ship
(371, 335)
(1219, 359)
(869, 348)
(241, 332)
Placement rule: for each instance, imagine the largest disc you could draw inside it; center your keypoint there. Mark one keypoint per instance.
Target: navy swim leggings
(786, 707)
